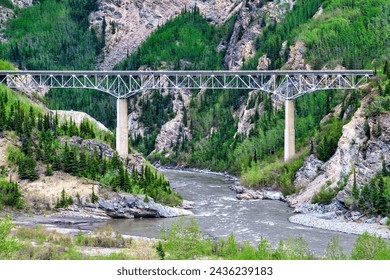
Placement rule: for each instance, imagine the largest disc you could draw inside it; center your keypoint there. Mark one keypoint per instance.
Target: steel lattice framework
(124, 84)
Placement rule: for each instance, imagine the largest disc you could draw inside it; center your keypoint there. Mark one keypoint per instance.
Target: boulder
(134, 206)
(273, 195)
(384, 221)
(249, 195)
(371, 220)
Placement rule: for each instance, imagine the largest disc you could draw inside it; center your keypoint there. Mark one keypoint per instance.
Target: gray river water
(219, 213)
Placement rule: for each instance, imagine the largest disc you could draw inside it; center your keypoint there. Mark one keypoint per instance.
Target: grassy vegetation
(273, 174)
(183, 241)
(51, 245)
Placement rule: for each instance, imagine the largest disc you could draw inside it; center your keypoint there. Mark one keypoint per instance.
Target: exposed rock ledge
(134, 206)
(244, 193)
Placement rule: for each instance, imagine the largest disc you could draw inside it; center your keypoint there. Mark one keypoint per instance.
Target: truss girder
(123, 84)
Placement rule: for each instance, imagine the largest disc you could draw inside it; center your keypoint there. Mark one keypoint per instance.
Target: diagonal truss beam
(123, 84)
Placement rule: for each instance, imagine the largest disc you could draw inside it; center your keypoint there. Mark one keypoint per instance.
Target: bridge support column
(122, 138)
(289, 131)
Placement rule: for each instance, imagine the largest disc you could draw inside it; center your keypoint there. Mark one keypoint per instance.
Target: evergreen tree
(49, 170)
(94, 197)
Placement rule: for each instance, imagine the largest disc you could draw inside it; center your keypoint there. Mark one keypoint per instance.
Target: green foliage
(5, 65)
(294, 248)
(32, 44)
(94, 197)
(373, 198)
(40, 136)
(9, 246)
(185, 241)
(349, 33)
(188, 42)
(271, 39)
(64, 201)
(160, 250)
(49, 170)
(328, 138)
(334, 251)
(7, 4)
(326, 194)
(369, 247)
(10, 194)
(275, 174)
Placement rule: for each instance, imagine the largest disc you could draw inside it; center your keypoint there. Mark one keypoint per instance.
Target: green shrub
(328, 138)
(370, 247)
(334, 251)
(325, 195)
(294, 248)
(5, 65)
(64, 201)
(10, 194)
(9, 246)
(184, 241)
(277, 175)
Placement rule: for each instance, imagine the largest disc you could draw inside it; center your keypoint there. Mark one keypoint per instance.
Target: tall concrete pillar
(289, 131)
(122, 138)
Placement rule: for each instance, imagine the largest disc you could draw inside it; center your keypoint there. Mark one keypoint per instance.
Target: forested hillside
(44, 138)
(56, 35)
(335, 33)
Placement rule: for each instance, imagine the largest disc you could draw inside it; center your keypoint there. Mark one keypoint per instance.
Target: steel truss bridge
(123, 84)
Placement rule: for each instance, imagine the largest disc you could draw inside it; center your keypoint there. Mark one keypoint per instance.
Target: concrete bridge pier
(122, 138)
(289, 131)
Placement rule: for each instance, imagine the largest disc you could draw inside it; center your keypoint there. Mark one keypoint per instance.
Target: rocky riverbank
(335, 216)
(328, 222)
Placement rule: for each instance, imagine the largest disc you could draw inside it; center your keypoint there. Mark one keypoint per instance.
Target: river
(219, 213)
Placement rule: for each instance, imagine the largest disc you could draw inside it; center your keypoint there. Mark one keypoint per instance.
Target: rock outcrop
(133, 160)
(355, 150)
(135, 206)
(5, 15)
(296, 60)
(245, 114)
(340, 164)
(174, 132)
(22, 3)
(130, 22)
(252, 18)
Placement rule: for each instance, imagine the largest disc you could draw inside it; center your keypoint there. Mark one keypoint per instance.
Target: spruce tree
(94, 197)
(49, 170)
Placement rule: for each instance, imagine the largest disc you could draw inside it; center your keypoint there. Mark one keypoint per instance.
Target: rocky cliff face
(252, 17)
(355, 150)
(7, 13)
(244, 114)
(174, 132)
(130, 22)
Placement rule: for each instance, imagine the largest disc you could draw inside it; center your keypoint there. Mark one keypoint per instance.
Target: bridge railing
(123, 84)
